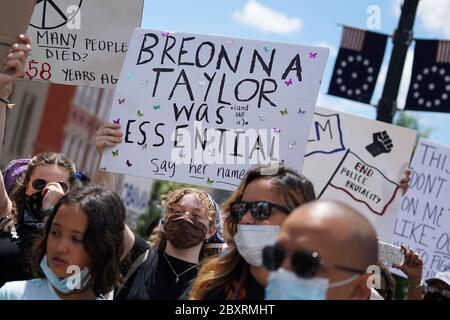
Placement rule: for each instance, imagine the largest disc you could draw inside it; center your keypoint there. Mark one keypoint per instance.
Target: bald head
(346, 235)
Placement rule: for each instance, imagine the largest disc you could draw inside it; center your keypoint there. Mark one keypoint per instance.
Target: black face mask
(33, 214)
(434, 296)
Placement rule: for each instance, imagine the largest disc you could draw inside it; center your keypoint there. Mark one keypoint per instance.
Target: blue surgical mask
(69, 284)
(286, 285)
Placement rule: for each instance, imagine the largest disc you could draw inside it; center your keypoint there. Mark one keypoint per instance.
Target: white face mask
(251, 239)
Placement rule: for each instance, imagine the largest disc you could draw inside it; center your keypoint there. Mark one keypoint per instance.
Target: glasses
(305, 264)
(39, 184)
(260, 210)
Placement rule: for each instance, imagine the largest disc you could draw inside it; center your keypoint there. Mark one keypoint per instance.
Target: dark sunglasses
(260, 210)
(305, 264)
(39, 184)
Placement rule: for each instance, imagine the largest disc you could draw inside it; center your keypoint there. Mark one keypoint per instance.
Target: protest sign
(79, 42)
(14, 19)
(201, 109)
(359, 162)
(423, 223)
(135, 195)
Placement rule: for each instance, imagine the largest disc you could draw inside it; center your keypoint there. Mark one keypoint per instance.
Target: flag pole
(402, 39)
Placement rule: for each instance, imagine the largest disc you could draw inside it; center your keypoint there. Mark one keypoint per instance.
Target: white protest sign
(201, 109)
(359, 162)
(135, 196)
(81, 42)
(423, 223)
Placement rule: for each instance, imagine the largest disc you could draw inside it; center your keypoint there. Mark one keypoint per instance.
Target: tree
(405, 120)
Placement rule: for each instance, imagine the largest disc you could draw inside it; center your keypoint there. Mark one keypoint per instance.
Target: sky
(311, 23)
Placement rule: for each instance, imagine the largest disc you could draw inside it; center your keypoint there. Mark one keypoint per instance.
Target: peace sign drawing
(51, 14)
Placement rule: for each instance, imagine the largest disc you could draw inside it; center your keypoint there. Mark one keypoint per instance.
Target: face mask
(33, 214)
(251, 239)
(184, 231)
(286, 285)
(69, 284)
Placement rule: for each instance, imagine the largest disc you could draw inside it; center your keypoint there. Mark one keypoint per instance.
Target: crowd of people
(64, 236)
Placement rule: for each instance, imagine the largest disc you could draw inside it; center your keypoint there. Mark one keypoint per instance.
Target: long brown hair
(218, 273)
(158, 239)
(19, 191)
(103, 239)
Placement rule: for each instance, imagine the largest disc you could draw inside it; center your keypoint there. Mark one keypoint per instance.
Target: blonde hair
(221, 273)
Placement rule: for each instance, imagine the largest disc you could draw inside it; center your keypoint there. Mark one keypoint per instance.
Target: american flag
(358, 64)
(429, 89)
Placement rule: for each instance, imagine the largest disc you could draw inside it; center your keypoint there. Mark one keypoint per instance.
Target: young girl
(46, 178)
(190, 220)
(78, 257)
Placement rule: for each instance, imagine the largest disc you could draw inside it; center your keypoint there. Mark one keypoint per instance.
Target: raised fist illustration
(382, 143)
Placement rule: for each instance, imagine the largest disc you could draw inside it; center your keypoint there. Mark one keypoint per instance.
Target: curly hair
(158, 239)
(19, 191)
(103, 239)
(220, 272)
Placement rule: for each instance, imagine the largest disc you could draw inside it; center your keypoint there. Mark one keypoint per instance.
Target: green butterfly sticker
(115, 153)
(284, 112)
(156, 106)
(209, 181)
(139, 113)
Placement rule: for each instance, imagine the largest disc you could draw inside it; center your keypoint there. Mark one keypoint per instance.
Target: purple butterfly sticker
(165, 34)
(129, 164)
(312, 55)
(289, 82)
(117, 121)
(121, 101)
(276, 130)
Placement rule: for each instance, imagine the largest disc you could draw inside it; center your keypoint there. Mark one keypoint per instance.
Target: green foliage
(405, 120)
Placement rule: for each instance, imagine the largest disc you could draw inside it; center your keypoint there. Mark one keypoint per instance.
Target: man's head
(332, 239)
(438, 287)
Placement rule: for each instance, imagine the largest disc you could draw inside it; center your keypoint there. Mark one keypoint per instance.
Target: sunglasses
(305, 264)
(39, 184)
(260, 210)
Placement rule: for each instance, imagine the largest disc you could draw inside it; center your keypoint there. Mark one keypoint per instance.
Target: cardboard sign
(14, 18)
(423, 223)
(202, 109)
(359, 162)
(79, 42)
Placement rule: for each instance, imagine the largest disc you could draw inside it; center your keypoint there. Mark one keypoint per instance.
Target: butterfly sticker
(212, 152)
(144, 147)
(121, 101)
(115, 153)
(229, 42)
(276, 130)
(312, 55)
(181, 154)
(292, 145)
(201, 83)
(117, 121)
(288, 82)
(139, 113)
(301, 112)
(261, 117)
(156, 106)
(165, 34)
(144, 84)
(130, 76)
(209, 181)
(129, 164)
(284, 112)
(266, 49)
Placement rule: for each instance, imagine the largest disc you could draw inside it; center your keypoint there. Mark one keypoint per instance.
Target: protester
(412, 266)
(256, 210)
(438, 287)
(189, 221)
(47, 177)
(323, 252)
(78, 256)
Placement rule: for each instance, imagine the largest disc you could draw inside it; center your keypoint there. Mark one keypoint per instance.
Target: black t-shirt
(139, 247)
(15, 254)
(251, 290)
(155, 280)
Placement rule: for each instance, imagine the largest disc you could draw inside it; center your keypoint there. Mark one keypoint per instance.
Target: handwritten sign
(359, 162)
(424, 219)
(201, 109)
(135, 196)
(79, 42)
